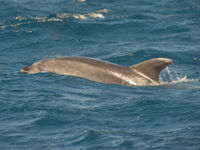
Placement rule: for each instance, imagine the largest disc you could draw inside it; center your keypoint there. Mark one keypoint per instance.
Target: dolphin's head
(35, 68)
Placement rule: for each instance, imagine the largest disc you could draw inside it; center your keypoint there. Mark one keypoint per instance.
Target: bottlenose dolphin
(142, 74)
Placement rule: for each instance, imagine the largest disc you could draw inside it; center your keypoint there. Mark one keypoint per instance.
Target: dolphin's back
(78, 65)
(92, 69)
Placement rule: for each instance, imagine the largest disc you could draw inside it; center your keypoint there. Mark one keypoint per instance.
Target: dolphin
(142, 74)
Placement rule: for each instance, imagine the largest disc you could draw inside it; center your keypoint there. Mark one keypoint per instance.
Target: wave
(59, 17)
(86, 136)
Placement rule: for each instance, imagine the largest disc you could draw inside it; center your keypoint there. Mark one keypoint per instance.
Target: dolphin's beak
(28, 70)
(25, 70)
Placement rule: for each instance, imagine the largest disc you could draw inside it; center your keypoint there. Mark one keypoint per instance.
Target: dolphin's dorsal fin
(151, 68)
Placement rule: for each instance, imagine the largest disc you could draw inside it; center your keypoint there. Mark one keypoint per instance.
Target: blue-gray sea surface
(54, 112)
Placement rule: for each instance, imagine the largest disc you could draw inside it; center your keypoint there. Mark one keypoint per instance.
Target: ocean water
(53, 112)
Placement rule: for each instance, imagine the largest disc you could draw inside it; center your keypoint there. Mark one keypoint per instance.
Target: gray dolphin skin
(142, 74)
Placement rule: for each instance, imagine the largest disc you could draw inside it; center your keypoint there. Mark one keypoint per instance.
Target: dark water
(47, 111)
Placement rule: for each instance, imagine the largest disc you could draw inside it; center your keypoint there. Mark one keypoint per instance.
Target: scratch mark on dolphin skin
(129, 80)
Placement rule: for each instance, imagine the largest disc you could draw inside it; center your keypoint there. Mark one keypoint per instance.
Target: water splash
(170, 76)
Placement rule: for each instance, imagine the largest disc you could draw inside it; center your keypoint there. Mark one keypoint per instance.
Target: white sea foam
(80, 17)
(104, 11)
(11, 25)
(54, 20)
(20, 18)
(96, 15)
(63, 15)
(81, 1)
(180, 81)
